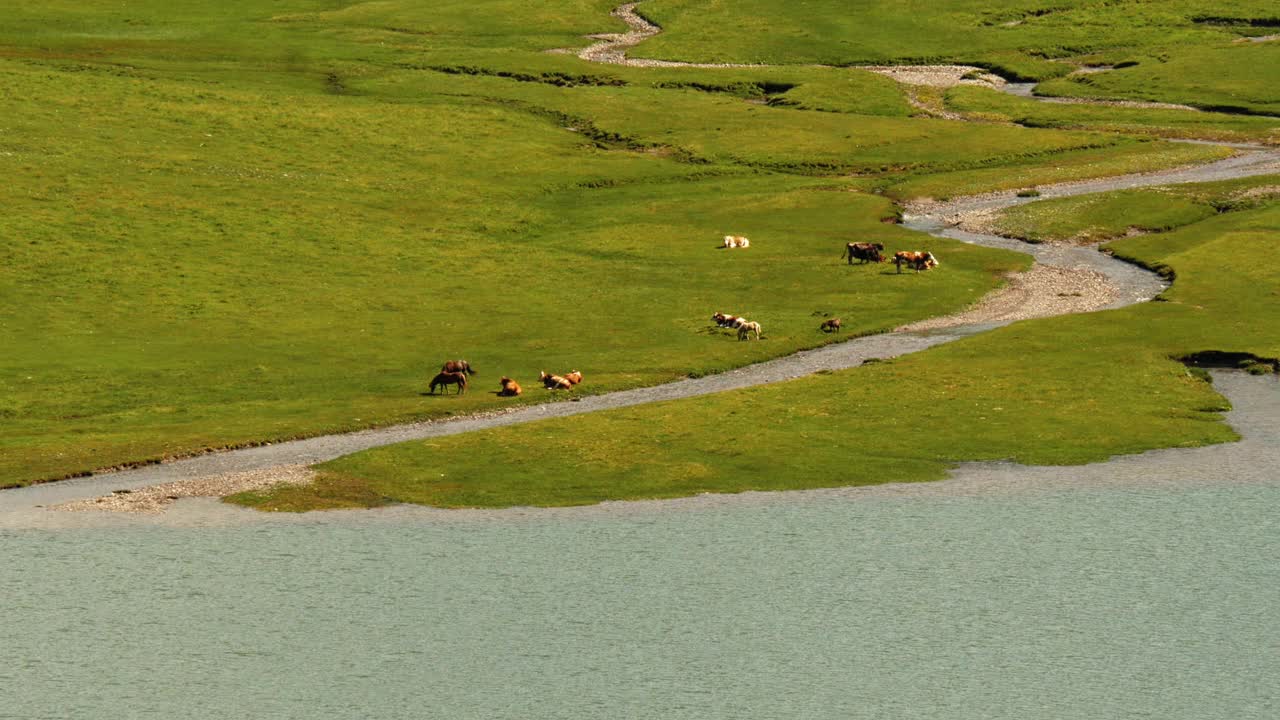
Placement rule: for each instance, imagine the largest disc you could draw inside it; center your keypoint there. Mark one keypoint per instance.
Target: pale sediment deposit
(154, 499)
(1042, 291)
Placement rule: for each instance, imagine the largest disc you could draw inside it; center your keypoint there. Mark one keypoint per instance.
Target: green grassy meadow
(1106, 216)
(1231, 77)
(1020, 39)
(1065, 390)
(240, 222)
(988, 104)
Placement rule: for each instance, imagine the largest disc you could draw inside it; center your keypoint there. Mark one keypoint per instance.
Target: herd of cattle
(455, 372)
(862, 251)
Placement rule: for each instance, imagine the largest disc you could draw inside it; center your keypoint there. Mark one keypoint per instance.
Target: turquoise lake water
(1093, 602)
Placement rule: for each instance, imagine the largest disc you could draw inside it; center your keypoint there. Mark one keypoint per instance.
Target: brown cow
(449, 378)
(574, 377)
(832, 325)
(510, 388)
(461, 366)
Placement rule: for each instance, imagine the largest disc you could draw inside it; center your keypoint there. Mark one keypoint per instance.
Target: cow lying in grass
(554, 382)
(510, 388)
(832, 325)
(736, 241)
(866, 252)
(443, 379)
(918, 260)
(574, 377)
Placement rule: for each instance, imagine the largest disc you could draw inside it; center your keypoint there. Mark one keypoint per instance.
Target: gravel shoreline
(154, 499)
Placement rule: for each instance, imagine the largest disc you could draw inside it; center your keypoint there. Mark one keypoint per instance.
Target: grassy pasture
(1105, 216)
(1064, 390)
(1232, 77)
(993, 105)
(212, 265)
(1017, 38)
(236, 222)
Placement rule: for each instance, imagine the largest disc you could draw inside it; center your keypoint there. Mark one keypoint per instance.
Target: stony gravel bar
(1040, 292)
(155, 498)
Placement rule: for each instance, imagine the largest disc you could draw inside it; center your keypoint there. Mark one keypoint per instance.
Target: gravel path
(1065, 279)
(612, 47)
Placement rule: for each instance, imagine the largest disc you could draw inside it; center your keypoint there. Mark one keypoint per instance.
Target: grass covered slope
(1105, 216)
(1233, 77)
(239, 222)
(988, 104)
(1017, 38)
(1071, 389)
(213, 264)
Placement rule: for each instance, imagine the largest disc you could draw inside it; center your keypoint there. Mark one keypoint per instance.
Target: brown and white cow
(747, 328)
(832, 325)
(554, 382)
(736, 241)
(728, 321)
(574, 377)
(912, 259)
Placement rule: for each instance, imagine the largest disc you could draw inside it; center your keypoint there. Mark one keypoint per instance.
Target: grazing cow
(832, 325)
(918, 260)
(449, 378)
(866, 252)
(727, 321)
(574, 377)
(736, 241)
(510, 388)
(554, 382)
(461, 366)
(746, 328)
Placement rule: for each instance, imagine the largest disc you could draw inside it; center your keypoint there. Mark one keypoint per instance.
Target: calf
(832, 325)
(736, 241)
(866, 252)
(574, 377)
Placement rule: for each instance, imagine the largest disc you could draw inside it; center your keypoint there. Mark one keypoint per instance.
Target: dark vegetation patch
(1217, 359)
(1229, 21)
(742, 89)
(559, 79)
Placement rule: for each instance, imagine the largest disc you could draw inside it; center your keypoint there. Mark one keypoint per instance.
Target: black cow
(866, 252)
